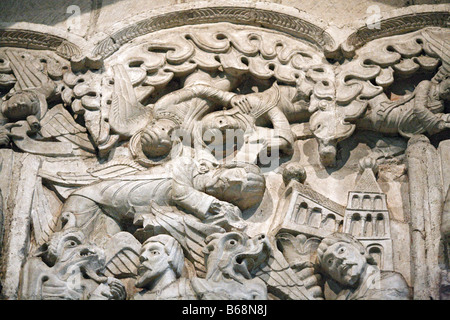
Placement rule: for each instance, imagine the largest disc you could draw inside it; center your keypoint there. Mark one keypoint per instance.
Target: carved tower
(367, 216)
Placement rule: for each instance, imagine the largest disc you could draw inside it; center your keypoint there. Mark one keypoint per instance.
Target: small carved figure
(66, 268)
(152, 125)
(352, 272)
(248, 113)
(159, 272)
(420, 112)
(28, 99)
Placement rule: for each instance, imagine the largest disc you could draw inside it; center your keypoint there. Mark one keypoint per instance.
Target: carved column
(425, 192)
(20, 227)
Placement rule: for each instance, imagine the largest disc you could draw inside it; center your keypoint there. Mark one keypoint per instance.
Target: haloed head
(156, 139)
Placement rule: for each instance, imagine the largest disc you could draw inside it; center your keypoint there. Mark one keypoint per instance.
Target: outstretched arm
(430, 121)
(207, 92)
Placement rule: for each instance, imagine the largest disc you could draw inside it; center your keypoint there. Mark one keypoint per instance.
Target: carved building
(115, 149)
(367, 218)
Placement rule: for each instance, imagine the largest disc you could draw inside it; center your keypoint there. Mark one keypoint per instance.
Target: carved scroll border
(248, 16)
(30, 39)
(395, 26)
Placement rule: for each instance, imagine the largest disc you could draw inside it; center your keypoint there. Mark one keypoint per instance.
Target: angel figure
(26, 118)
(214, 193)
(151, 126)
(28, 99)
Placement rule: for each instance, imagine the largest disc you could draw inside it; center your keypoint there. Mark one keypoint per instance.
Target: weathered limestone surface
(202, 150)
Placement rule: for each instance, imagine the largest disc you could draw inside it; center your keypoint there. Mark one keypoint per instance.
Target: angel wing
(127, 116)
(284, 283)
(437, 42)
(28, 76)
(44, 221)
(111, 170)
(59, 124)
(122, 256)
(186, 229)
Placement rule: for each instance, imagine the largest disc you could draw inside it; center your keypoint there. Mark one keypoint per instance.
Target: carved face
(344, 263)
(236, 255)
(155, 138)
(154, 262)
(241, 186)
(20, 105)
(329, 127)
(67, 250)
(221, 120)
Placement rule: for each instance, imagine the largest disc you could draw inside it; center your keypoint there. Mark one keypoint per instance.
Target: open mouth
(141, 270)
(246, 262)
(245, 265)
(87, 253)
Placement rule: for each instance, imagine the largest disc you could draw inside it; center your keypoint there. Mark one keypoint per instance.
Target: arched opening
(315, 218)
(356, 225)
(376, 252)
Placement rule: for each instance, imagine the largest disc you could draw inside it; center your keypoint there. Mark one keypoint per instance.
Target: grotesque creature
(231, 260)
(353, 275)
(68, 269)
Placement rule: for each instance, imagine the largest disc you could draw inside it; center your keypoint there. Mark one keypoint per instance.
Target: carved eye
(330, 262)
(71, 244)
(155, 253)
(232, 242)
(342, 250)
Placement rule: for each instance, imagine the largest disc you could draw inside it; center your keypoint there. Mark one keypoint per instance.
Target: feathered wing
(44, 221)
(122, 256)
(111, 170)
(28, 76)
(186, 229)
(437, 41)
(283, 282)
(59, 124)
(127, 116)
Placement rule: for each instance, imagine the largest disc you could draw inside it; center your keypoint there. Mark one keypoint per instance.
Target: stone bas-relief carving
(353, 275)
(215, 160)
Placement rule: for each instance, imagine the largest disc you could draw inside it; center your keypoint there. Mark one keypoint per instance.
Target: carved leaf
(113, 169)
(28, 77)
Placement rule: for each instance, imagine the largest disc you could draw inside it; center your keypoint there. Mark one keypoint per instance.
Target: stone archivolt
(131, 189)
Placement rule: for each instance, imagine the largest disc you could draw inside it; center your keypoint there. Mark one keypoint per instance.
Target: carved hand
(6, 135)
(220, 207)
(113, 289)
(241, 102)
(226, 215)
